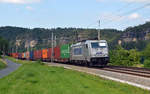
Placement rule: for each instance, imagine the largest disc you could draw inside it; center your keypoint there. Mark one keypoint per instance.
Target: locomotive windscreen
(98, 45)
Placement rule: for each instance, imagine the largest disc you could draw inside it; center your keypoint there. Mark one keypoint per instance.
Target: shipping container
(35, 53)
(27, 55)
(16, 55)
(31, 55)
(65, 51)
(57, 53)
(23, 55)
(44, 54)
(19, 55)
(39, 54)
(49, 54)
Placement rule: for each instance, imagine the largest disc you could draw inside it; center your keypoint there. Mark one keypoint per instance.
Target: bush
(40, 62)
(147, 63)
(122, 57)
(146, 52)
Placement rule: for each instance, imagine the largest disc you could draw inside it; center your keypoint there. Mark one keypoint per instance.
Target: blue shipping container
(31, 55)
(19, 55)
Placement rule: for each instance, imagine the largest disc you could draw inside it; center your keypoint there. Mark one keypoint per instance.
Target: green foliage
(122, 57)
(40, 62)
(64, 36)
(146, 55)
(3, 45)
(2, 64)
(146, 52)
(140, 45)
(147, 63)
(69, 35)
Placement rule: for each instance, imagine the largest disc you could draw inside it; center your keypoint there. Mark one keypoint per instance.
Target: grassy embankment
(2, 64)
(33, 78)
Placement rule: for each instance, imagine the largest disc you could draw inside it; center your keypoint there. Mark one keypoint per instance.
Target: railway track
(142, 72)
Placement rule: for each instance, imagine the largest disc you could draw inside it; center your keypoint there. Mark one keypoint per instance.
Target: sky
(117, 14)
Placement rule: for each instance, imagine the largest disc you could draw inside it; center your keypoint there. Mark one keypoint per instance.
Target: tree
(147, 63)
(146, 55)
(146, 52)
(3, 45)
(122, 57)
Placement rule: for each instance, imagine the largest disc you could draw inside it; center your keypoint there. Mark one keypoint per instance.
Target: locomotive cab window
(98, 45)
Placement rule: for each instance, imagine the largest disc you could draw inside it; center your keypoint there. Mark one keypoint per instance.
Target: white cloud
(137, 1)
(29, 8)
(109, 18)
(134, 16)
(19, 1)
(147, 20)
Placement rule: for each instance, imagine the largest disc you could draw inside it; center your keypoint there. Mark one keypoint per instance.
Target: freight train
(89, 53)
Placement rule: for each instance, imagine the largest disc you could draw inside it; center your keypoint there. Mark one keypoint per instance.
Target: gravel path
(120, 77)
(11, 66)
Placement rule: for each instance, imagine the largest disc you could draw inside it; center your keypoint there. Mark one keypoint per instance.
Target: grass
(33, 78)
(2, 64)
(17, 60)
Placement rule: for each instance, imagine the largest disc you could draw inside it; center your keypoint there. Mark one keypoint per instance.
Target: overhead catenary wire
(124, 14)
(118, 11)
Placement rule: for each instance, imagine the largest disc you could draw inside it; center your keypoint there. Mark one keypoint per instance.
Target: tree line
(130, 58)
(3, 46)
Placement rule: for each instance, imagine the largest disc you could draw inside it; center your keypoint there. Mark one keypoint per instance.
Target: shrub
(122, 57)
(146, 52)
(40, 62)
(147, 63)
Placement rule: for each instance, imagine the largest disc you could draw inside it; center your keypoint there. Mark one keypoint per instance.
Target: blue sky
(73, 13)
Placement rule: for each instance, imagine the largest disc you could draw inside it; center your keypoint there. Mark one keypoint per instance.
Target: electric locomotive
(90, 52)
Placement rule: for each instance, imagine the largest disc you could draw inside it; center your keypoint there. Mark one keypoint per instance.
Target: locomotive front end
(99, 53)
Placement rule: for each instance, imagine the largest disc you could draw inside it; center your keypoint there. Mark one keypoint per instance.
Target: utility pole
(76, 35)
(55, 41)
(28, 46)
(52, 48)
(99, 35)
(3, 49)
(16, 45)
(12, 50)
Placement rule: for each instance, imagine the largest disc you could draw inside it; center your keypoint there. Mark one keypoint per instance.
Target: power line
(126, 13)
(118, 10)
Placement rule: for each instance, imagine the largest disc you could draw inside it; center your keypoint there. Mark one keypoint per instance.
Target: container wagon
(65, 53)
(19, 55)
(57, 54)
(23, 56)
(49, 54)
(31, 55)
(27, 55)
(44, 54)
(39, 55)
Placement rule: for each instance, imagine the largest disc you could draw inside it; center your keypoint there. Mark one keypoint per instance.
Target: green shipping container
(65, 51)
